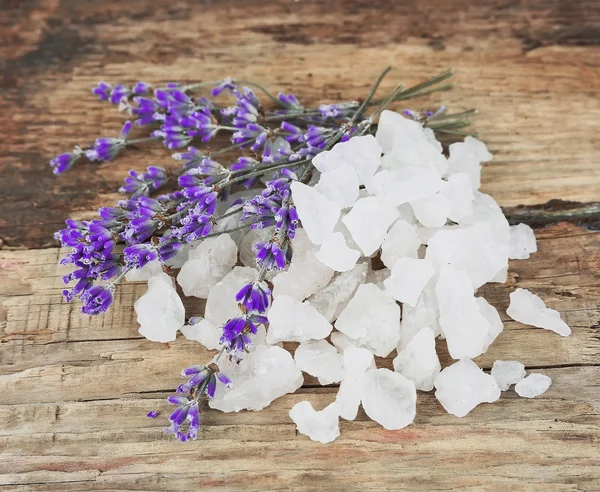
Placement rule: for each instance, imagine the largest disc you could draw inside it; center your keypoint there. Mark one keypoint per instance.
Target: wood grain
(74, 390)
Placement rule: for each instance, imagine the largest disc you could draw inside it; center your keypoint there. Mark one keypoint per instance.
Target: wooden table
(74, 390)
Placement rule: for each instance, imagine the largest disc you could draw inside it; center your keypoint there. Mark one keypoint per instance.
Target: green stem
(370, 95)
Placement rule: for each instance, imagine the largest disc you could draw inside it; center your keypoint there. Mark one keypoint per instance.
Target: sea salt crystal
(394, 130)
(369, 221)
(425, 313)
(389, 398)
(419, 153)
(459, 192)
(487, 211)
(332, 299)
(294, 321)
(317, 213)
(529, 309)
(320, 359)
(336, 254)
(205, 332)
(322, 426)
(405, 185)
(264, 375)
(362, 153)
(463, 385)
(465, 328)
(507, 372)
(418, 361)
(221, 305)
(401, 241)
(372, 318)
(208, 263)
(533, 385)
(149, 270)
(305, 276)
(465, 157)
(432, 211)
(522, 242)
(342, 341)
(490, 313)
(408, 279)
(339, 185)
(357, 361)
(160, 311)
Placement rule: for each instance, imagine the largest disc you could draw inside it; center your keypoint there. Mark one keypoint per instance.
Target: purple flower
(289, 102)
(251, 133)
(226, 85)
(102, 90)
(139, 255)
(152, 414)
(118, 93)
(255, 297)
(236, 334)
(293, 133)
(193, 157)
(97, 299)
(106, 149)
(64, 162)
(316, 136)
(146, 111)
(141, 88)
(337, 110)
(270, 255)
(144, 183)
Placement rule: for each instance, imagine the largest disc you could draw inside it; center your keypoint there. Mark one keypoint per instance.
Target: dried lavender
(276, 144)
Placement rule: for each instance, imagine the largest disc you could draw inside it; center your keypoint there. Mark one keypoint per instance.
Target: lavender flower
(227, 85)
(236, 334)
(255, 296)
(139, 255)
(152, 414)
(193, 157)
(64, 162)
(102, 90)
(339, 110)
(97, 299)
(144, 183)
(106, 149)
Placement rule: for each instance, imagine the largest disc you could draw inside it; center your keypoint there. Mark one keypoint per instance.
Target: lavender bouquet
(311, 201)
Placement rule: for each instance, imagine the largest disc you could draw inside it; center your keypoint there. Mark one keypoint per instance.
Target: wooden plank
(540, 110)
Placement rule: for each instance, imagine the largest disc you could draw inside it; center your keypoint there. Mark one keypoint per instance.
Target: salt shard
(420, 153)
(465, 157)
(389, 398)
(317, 213)
(264, 375)
(473, 249)
(320, 359)
(205, 332)
(405, 185)
(401, 241)
(490, 313)
(522, 242)
(465, 328)
(432, 211)
(394, 130)
(336, 254)
(363, 154)
(339, 185)
(332, 299)
(342, 342)
(293, 321)
(408, 279)
(463, 385)
(221, 305)
(160, 311)
(487, 211)
(369, 221)
(149, 270)
(372, 318)
(418, 361)
(507, 372)
(322, 426)
(533, 385)
(357, 361)
(529, 309)
(208, 263)
(425, 313)
(459, 192)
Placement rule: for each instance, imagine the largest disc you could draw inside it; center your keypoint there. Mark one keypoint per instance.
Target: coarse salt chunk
(529, 309)
(507, 372)
(322, 426)
(317, 213)
(294, 321)
(522, 242)
(336, 254)
(408, 279)
(533, 385)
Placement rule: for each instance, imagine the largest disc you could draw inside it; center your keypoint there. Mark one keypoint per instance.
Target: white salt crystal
(332, 299)
(425, 313)
(408, 279)
(362, 153)
(305, 276)
(369, 221)
(490, 313)
(149, 270)
(221, 305)
(317, 213)
(394, 130)
(465, 328)
(522, 242)
(294, 321)
(462, 386)
(459, 192)
(529, 309)
(533, 385)
(401, 241)
(389, 398)
(342, 341)
(418, 361)
(406, 184)
(372, 318)
(420, 153)
(320, 359)
(465, 158)
(205, 332)
(160, 311)
(336, 254)
(264, 375)
(357, 361)
(432, 211)
(507, 372)
(473, 249)
(339, 185)
(501, 276)
(430, 137)
(322, 426)
(478, 148)
(208, 263)
(486, 210)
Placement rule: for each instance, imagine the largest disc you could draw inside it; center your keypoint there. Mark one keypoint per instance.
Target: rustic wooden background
(74, 391)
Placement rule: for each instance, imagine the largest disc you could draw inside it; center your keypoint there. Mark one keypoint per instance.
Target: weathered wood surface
(74, 390)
